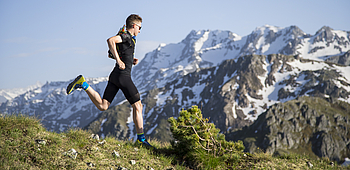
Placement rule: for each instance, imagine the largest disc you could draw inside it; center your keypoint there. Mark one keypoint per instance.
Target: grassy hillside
(25, 144)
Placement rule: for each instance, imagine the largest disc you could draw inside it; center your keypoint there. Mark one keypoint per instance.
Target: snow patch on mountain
(131, 125)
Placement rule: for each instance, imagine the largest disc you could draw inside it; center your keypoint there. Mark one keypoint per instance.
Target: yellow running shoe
(79, 82)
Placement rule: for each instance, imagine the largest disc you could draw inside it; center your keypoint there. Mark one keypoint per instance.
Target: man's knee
(101, 108)
(104, 106)
(137, 105)
(134, 99)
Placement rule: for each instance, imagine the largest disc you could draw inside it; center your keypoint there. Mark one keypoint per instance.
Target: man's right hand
(121, 65)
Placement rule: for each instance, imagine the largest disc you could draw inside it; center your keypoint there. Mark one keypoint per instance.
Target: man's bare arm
(113, 49)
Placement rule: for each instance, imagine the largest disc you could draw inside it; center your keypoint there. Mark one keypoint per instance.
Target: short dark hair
(132, 19)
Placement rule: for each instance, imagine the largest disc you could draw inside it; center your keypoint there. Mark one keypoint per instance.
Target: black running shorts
(119, 81)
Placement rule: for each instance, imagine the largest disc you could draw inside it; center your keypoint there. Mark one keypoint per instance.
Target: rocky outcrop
(340, 59)
(223, 99)
(112, 122)
(310, 125)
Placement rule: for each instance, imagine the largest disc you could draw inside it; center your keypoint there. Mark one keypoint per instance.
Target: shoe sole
(70, 87)
(146, 145)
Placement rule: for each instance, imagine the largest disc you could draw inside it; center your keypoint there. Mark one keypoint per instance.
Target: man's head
(133, 24)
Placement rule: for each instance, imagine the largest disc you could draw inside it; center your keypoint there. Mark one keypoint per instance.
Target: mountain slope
(340, 59)
(307, 125)
(77, 149)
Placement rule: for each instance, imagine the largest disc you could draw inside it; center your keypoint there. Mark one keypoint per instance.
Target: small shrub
(196, 138)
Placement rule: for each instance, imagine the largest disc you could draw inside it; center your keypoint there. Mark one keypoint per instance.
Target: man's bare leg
(137, 116)
(138, 121)
(101, 104)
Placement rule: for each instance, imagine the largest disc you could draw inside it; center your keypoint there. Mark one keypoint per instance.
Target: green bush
(199, 141)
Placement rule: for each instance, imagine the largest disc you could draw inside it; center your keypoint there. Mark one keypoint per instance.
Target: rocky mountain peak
(325, 29)
(324, 34)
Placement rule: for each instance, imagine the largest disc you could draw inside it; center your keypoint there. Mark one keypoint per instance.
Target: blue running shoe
(145, 143)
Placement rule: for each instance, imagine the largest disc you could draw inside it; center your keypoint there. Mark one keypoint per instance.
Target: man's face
(137, 28)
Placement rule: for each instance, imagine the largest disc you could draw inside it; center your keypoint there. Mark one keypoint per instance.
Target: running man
(121, 48)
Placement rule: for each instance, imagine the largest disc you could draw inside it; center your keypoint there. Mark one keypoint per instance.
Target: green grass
(19, 150)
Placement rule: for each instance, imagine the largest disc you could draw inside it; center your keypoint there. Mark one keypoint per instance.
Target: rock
(71, 153)
(90, 164)
(346, 162)
(281, 153)
(342, 59)
(310, 164)
(132, 162)
(149, 168)
(95, 149)
(121, 168)
(103, 142)
(115, 154)
(41, 142)
(327, 145)
(95, 136)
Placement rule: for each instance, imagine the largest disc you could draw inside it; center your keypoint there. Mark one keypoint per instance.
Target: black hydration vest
(125, 51)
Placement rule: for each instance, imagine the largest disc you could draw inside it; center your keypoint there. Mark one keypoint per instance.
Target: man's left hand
(135, 61)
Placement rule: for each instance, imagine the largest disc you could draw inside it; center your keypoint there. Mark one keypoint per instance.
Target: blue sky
(44, 40)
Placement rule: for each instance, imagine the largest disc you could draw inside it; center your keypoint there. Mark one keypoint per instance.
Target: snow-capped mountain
(50, 103)
(213, 69)
(8, 94)
(207, 48)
